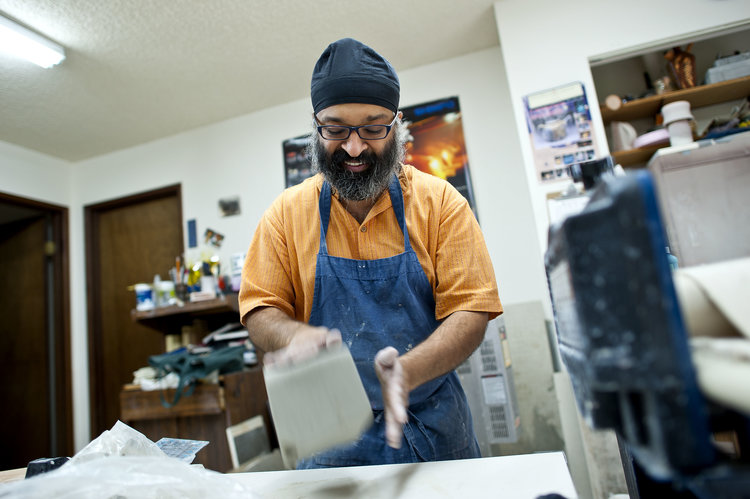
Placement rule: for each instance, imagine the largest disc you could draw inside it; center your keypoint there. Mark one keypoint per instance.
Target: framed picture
(436, 143)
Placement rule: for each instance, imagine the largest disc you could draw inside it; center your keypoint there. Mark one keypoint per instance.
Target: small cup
(144, 297)
(182, 292)
(165, 293)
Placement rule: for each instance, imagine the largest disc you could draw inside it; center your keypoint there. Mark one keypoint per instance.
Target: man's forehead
(361, 113)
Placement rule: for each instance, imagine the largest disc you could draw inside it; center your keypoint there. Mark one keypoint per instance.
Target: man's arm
(284, 339)
(449, 345)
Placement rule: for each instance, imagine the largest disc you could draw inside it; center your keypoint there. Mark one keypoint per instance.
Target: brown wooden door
(35, 387)
(128, 240)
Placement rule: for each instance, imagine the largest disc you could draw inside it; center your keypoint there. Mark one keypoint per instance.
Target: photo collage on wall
(559, 126)
(435, 145)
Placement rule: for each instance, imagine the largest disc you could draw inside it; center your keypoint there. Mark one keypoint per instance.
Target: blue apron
(377, 303)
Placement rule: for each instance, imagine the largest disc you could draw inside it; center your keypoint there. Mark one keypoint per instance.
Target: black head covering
(350, 71)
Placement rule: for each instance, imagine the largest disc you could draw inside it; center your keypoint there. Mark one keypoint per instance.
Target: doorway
(34, 332)
(128, 240)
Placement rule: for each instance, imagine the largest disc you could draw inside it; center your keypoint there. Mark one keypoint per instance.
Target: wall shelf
(703, 95)
(216, 312)
(639, 156)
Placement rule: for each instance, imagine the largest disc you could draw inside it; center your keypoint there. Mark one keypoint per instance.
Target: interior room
(135, 171)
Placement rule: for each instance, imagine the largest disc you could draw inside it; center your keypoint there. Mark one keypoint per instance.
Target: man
(401, 275)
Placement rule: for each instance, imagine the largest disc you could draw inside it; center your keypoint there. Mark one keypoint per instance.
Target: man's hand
(306, 342)
(395, 394)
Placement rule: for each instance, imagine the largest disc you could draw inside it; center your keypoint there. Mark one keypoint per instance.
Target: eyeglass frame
(354, 128)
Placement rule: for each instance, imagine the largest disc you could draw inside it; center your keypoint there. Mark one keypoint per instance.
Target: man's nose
(354, 145)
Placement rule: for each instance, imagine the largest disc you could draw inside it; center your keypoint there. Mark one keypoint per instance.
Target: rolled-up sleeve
(266, 279)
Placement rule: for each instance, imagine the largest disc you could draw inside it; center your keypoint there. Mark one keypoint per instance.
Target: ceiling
(139, 70)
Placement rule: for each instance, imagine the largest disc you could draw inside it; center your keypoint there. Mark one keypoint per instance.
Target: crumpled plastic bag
(121, 440)
(122, 477)
(120, 464)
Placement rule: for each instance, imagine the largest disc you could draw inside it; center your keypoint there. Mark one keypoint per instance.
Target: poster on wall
(435, 145)
(297, 166)
(559, 126)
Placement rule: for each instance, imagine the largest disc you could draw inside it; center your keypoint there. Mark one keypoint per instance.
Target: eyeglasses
(365, 132)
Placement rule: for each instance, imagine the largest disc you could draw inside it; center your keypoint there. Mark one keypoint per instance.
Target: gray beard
(359, 186)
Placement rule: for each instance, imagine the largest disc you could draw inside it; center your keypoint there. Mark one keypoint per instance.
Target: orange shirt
(279, 268)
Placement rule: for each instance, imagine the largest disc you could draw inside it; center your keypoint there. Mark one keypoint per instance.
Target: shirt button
(363, 229)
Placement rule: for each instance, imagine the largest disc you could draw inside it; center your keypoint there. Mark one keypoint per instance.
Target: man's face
(358, 169)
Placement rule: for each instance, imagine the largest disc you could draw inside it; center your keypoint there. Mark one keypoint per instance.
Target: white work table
(522, 476)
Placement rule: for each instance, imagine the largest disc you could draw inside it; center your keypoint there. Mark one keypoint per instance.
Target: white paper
(494, 389)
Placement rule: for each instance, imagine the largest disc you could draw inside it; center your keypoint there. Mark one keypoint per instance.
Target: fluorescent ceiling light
(22, 42)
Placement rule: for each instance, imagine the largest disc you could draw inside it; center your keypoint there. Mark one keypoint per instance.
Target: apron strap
(397, 201)
(324, 209)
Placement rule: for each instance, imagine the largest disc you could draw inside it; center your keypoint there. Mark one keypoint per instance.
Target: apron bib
(377, 303)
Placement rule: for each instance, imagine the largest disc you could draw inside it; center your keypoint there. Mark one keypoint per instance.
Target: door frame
(92, 213)
(63, 421)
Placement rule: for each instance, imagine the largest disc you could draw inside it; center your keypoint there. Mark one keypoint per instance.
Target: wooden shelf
(704, 95)
(700, 96)
(635, 157)
(217, 312)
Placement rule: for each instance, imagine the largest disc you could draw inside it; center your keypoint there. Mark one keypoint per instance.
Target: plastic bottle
(673, 262)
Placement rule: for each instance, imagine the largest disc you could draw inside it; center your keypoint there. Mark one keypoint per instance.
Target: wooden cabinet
(211, 408)
(204, 415)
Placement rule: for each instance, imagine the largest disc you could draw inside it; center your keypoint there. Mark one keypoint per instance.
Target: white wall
(37, 176)
(547, 43)
(243, 157)
(500, 186)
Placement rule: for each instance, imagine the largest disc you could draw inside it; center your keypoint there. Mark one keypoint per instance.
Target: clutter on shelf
(198, 281)
(729, 67)
(682, 66)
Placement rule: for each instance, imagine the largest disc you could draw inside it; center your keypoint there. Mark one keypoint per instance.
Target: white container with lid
(676, 111)
(677, 118)
(165, 293)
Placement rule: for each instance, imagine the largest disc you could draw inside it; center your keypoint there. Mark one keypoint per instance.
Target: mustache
(339, 156)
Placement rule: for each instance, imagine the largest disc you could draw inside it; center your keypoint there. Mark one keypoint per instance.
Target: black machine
(622, 338)
(589, 172)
